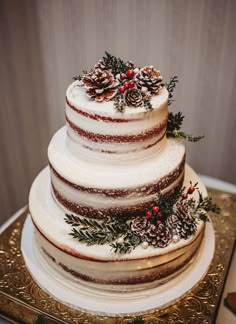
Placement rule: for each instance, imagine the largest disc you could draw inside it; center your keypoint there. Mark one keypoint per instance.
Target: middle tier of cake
(98, 188)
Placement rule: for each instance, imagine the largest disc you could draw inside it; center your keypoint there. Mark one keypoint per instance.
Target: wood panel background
(44, 43)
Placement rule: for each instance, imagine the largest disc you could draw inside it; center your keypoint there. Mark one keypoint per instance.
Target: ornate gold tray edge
(21, 300)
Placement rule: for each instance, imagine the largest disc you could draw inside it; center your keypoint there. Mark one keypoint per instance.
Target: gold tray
(21, 299)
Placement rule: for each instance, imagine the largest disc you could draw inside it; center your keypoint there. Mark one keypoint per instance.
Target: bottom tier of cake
(98, 266)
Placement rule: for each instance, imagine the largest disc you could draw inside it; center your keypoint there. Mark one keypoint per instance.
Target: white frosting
(97, 200)
(116, 271)
(78, 98)
(141, 121)
(112, 174)
(49, 218)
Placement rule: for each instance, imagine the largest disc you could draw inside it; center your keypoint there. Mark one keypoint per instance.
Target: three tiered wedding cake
(122, 211)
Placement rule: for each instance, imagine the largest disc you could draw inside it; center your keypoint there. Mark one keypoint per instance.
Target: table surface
(224, 315)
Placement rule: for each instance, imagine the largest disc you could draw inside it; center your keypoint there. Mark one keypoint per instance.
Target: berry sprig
(190, 190)
(154, 215)
(127, 80)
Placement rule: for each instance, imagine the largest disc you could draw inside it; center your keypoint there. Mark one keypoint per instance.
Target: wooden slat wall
(44, 43)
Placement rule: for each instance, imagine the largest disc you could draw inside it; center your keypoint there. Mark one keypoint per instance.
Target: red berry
(123, 76)
(130, 73)
(126, 86)
(159, 214)
(148, 214)
(191, 190)
(158, 222)
(155, 209)
(185, 196)
(131, 84)
(122, 89)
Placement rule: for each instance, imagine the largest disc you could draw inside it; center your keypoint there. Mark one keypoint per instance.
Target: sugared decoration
(175, 238)
(100, 85)
(149, 78)
(145, 245)
(133, 98)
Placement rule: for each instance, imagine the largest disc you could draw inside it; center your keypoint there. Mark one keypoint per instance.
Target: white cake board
(97, 302)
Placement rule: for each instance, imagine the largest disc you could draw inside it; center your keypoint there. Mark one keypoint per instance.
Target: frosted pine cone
(140, 225)
(130, 65)
(151, 234)
(100, 85)
(174, 224)
(149, 78)
(163, 236)
(188, 221)
(133, 98)
(101, 64)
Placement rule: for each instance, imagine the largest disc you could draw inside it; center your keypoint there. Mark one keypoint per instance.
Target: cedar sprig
(170, 86)
(123, 248)
(93, 232)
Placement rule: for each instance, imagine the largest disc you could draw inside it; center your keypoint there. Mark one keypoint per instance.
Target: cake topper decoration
(130, 86)
(121, 81)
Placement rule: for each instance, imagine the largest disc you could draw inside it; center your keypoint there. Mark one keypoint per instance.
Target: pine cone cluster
(156, 235)
(149, 78)
(100, 85)
(134, 98)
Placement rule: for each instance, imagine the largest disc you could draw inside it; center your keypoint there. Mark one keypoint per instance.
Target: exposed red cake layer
(126, 211)
(157, 273)
(98, 117)
(101, 138)
(148, 189)
(125, 152)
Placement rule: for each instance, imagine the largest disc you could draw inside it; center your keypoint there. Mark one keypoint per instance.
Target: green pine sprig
(92, 232)
(204, 206)
(174, 125)
(115, 64)
(123, 248)
(170, 86)
(131, 241)
(184, 136)
(175, 121)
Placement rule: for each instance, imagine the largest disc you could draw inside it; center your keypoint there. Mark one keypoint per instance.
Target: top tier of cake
(104, 132)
